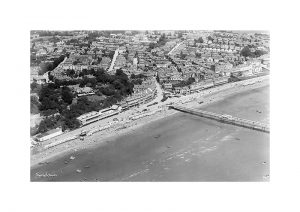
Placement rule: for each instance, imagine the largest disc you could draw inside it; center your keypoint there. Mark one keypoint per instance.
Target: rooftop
(87, 115)
(49, 132)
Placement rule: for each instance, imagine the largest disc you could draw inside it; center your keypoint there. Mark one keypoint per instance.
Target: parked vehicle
(83, 133)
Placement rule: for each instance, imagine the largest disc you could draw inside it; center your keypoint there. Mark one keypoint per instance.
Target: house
(226, 72)
(256, 67)
(139, 88)
(34, 36)
(41, 79)
(49, 134)
(223, 67)
(138, 98)
(177, 89)
(176, 77)
(209, 59)
(243, 70)
(220, 80)
(168, 86)
(185, 90)
(84, 91)
(88, 118)
(182, 90)
(149, 83)
(94, 116)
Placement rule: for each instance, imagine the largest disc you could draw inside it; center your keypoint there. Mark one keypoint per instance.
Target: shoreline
(212, 95)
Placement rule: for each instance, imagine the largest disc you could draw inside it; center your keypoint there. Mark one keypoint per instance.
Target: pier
(224, 118)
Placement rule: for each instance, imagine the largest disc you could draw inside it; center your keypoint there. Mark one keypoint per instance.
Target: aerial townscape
(149, 105)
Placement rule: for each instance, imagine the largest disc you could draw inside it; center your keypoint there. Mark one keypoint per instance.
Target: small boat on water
(157, 136)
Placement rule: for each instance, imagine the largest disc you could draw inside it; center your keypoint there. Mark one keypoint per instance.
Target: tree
(179, 35)
(70, 123)
(122, 77)
(111, 55)
(157, 78)
(210, 38)
(162, 37)
(70, 72)
(213, 67)
(101, 76)
(50, 77)
(120, 73)
(190, 80)
(151, 46)
(137, 81)
(67, 95)
(185, 83)
(33, 85)
(49, 97)
(45, 67)
(199, 40)
(89, 82)
(107, 91)
(162, 40)
(259, 53)
(132, 76)
(138, 76)
(49, 123)
(34, 105)
(182, 56)
(246, 52)
(118, 85)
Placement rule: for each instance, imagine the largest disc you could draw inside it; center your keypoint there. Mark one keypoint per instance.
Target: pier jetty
(224, 118)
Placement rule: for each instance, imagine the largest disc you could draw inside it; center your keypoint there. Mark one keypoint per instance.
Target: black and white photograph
(153, 105)
(149, 106)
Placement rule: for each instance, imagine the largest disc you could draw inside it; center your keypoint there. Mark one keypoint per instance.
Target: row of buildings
(143, 94)
(94, 116)
(203, 80)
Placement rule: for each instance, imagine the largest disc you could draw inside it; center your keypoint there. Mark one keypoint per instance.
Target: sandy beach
(126, 127)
